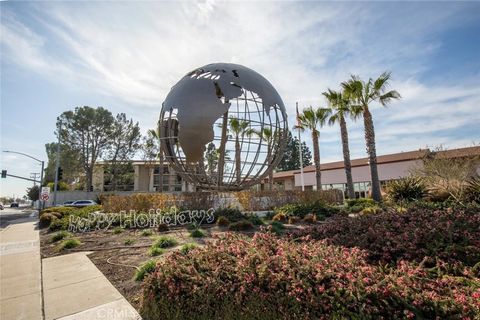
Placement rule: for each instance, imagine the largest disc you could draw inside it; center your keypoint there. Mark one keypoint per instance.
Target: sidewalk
(73, 287)
(20, 278)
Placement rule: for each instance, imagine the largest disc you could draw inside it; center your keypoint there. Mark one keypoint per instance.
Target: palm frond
(384, 99)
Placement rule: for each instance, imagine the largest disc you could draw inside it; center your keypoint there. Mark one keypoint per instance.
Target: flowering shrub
(267, 277)
(450, 235)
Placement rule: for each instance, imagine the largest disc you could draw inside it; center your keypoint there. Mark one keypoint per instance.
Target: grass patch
(155, 251)
(117, 230)
(129, 242)
(197, 233)
(146, 268)
(165, 242)
(60, 236)
(187, 247)
(69, 244)
(146, 233)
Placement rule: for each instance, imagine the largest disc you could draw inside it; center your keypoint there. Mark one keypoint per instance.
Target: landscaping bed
(118, 252)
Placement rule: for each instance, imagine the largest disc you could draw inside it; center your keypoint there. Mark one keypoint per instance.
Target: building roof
(388, 158)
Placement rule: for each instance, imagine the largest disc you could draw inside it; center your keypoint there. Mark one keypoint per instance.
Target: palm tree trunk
(372, 153)
(316, 159)
(237, 161)
(346, 158)
(270, 173)
(223, 142)
(160, 159)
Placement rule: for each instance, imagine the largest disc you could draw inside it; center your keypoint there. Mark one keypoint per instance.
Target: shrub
(117, 230)
(165, 242)
(197, 233)
(61, 210)
(242, 225)
(60, 236)
(232, 214)
(146, 233)
(371, 210)
(302, 209)
(223, 221)
(59, 224)
(155, 251)
(450, 235)
(255, 220)
(69, 244)
(281, 217)
(472, 190)
(267, 277)
(310, 218)
(162, 227)
(187, 247)
(146, 268)
(361, 202)
(293, 219)
(46, 219)
(276, 227)
(406, 189)
(128, 242)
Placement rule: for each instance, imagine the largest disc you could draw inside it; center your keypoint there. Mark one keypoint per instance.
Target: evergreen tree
(291, 156)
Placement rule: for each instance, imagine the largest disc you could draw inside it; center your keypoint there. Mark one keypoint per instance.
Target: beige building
(390, 167)
(145, 176)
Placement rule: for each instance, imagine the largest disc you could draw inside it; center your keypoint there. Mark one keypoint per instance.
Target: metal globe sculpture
(223, 127)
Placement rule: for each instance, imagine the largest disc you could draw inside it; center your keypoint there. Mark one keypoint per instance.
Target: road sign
(45, 194)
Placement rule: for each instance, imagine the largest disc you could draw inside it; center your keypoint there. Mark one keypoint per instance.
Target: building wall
(386, 171)
(143, 180)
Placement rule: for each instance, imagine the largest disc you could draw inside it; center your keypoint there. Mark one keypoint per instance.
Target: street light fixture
(38, 160)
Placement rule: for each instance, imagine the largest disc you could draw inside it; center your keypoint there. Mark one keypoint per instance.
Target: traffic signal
(91, 188)
(4, 173)
(60, 173)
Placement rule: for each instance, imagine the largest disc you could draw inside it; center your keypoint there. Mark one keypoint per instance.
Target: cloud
(134, 53)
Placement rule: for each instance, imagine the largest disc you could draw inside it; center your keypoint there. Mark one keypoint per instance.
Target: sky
(125, 56)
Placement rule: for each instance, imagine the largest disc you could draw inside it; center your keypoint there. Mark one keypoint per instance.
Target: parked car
(14, 205)
(83, 203)
(68, 203)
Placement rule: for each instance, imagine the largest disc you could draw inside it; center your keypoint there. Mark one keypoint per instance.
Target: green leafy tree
(362, 94)
(125, 142)
(88, 131)
(311, 119)
(291, 156)
(69, 161)
(33, 193)
(342, 108)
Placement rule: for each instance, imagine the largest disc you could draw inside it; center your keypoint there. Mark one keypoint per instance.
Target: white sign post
(45, 194)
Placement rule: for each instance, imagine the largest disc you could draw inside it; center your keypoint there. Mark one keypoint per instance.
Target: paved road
(9, 214)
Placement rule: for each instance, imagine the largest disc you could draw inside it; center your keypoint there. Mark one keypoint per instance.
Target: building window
(172, 182)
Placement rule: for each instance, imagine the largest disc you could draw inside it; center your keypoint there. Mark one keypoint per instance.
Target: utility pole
(57, 165)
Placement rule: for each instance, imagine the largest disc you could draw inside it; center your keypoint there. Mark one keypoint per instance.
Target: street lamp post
(41, 173)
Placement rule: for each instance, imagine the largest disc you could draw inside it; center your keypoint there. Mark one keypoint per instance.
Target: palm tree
(310, 119)
(341, 107)
(362, 94)
(267, 135)
(153, 135)
(239, 128)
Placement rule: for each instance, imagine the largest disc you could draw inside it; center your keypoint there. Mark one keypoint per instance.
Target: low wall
(244, 200)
